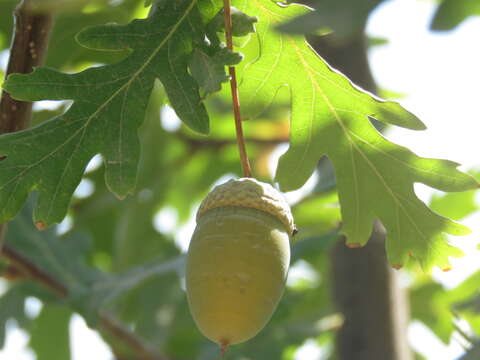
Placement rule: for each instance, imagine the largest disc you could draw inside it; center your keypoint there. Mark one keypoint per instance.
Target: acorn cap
(249, 192)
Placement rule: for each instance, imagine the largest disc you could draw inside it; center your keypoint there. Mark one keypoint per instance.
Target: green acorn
(238, 259)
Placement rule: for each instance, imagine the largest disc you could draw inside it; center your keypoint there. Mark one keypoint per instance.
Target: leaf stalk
(246, 169)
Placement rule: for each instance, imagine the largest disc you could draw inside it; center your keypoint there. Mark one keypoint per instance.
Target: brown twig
(32, 270)
(28, 49)
(116, 329)
(247, 171)
(32, 30)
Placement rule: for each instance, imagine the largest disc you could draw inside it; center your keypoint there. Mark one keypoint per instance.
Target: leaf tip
(419, 125)
(41, 226)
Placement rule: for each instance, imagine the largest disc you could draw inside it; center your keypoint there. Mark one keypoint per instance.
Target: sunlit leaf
(330, 117)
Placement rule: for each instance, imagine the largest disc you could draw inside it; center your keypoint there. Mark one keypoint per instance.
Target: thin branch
(29, 45)
(247, 171)
(30, 269)
(117, 329)
(108, 323)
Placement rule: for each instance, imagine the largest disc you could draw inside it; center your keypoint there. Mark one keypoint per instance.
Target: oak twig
(29, 269)
(29, 46)
(247, 171)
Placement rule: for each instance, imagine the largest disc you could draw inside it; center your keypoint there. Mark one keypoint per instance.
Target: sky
(438, 73)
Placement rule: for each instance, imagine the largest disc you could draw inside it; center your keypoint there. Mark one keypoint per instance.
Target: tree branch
(29, 269)
(29, 46)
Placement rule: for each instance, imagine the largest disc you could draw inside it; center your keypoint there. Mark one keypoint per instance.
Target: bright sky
(439, 73)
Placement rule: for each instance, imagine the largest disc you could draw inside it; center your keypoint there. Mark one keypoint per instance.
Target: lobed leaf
(109, 105)
(209, 71)
(331, 116)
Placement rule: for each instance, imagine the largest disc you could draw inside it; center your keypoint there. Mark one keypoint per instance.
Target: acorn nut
(238, 259)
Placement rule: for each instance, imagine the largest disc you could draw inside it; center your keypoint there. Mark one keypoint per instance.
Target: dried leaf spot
(354, 245)
(40, 225)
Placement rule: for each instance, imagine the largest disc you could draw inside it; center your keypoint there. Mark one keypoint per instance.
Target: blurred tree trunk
(366, 293)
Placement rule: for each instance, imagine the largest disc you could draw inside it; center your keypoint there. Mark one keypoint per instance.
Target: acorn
(238, 258)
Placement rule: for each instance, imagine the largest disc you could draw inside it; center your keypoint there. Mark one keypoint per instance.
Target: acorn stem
(247, 171)
(223, 348)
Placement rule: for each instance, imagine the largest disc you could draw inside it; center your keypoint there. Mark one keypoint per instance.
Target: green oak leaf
(52, 323)
(209, 71)
(455, 205)
(450, 13)
(431, 305)
(330, 116)
(109, 105)
(12, 306)
(242, 24)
